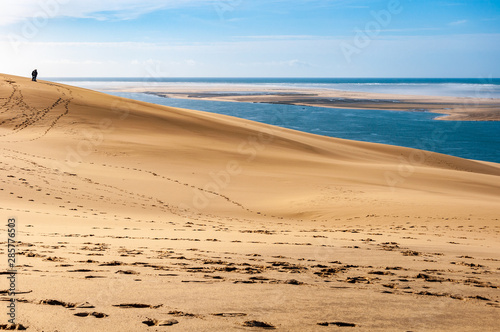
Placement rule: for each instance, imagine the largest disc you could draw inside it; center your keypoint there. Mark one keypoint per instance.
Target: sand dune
(221, 223)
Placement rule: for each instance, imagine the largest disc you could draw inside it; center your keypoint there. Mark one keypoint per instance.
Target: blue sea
(466, 139)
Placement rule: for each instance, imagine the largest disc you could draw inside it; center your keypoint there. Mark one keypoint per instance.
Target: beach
(133, 216)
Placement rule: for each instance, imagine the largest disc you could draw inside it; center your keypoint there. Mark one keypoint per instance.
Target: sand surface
(453, 108)
(138, 217)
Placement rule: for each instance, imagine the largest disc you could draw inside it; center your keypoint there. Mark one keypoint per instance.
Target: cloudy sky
(251, 38)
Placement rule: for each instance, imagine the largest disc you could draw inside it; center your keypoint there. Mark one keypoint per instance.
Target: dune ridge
(146, 213)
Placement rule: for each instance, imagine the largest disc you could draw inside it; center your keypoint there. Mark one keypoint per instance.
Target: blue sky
(251, 38)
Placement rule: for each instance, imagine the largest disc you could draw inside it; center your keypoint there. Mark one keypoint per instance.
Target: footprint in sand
(58, 303)
(256, 323)
(178, 313)
(126, 272)
(137, 305)
(156, 322)
(95, 314)
(339, 324)
(11, 327)
(230, 314)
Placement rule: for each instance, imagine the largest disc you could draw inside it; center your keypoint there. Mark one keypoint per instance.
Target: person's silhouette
(34, 74)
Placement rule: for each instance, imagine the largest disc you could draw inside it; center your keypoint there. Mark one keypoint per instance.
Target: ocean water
(466, 139)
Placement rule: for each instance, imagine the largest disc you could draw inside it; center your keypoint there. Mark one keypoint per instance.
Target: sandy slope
(205, 214)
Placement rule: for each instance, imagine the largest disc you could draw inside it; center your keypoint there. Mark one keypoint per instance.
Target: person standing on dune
(34, 74)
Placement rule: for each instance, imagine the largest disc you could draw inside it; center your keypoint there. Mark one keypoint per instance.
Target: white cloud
(286, 63)
(71, 62)
(280, 37)
(452, 4)
(387, 55)
(158, 63)
(458, 22)
(19, 10)
(296, 63)
(410, 30)
(358, 6)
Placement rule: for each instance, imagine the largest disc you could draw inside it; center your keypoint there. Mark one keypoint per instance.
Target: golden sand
(131, 216)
